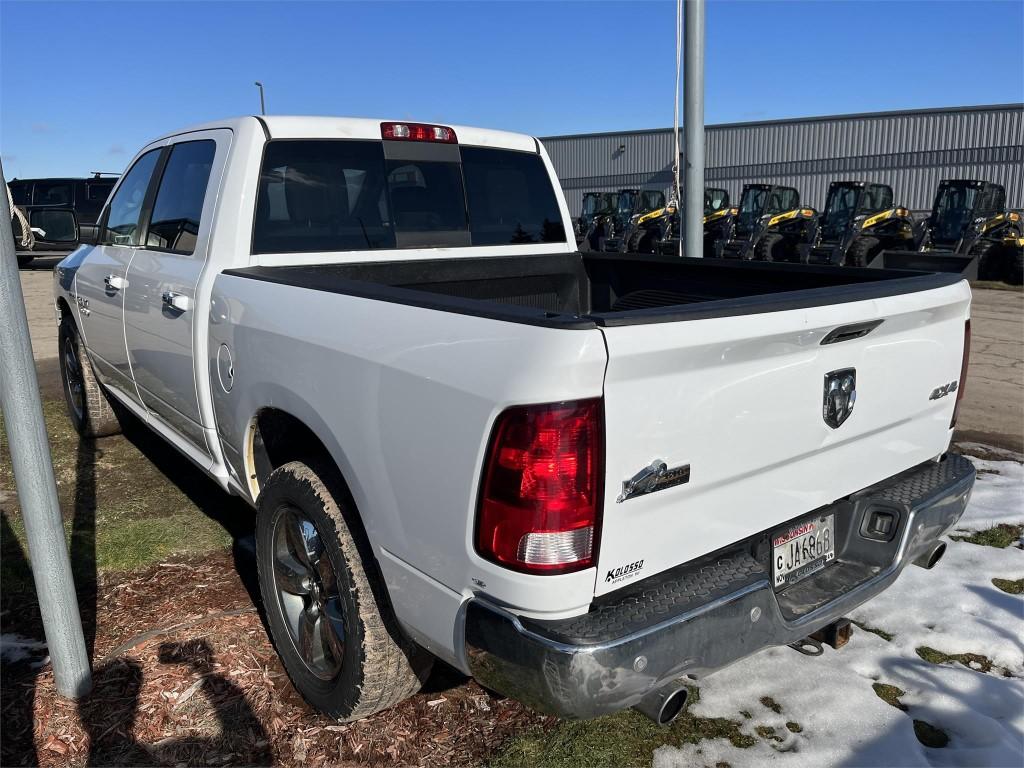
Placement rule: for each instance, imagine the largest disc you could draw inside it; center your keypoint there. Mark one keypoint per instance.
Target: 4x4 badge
(840, 396)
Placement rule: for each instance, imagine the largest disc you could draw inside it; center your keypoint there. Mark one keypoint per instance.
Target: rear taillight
(417, 132)
(961, 386)
(541, 495)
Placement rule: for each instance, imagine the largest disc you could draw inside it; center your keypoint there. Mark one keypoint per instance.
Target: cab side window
(125, 211)
(174, 225)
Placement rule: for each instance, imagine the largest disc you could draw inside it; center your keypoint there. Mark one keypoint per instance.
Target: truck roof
(310, 127)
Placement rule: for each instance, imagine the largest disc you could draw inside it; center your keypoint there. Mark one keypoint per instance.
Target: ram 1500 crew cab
(576, 477)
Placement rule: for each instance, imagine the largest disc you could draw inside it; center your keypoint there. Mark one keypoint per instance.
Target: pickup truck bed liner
(587, 290)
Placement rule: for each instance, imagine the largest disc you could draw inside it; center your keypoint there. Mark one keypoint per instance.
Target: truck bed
(589, 290)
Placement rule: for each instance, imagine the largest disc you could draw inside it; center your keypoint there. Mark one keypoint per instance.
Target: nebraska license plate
(803, 550)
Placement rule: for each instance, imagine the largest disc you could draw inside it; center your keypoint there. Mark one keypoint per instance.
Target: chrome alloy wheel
(307, 589)
(73, 379)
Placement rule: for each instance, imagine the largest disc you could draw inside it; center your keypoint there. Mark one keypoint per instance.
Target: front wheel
(862, 250)
(89, 409)
(766, 247)
(325, 604)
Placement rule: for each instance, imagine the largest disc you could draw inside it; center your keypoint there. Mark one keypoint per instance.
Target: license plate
(803, 550)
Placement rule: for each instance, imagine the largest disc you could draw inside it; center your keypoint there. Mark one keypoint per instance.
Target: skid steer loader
(595, 204)
(858, 223)
(768, 224)
(607, 231)
(969, 220)
(658, 231)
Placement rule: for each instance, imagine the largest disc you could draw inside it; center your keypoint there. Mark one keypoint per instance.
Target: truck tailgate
(739, 400)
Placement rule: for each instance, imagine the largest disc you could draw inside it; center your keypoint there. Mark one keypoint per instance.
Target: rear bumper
(706, 615)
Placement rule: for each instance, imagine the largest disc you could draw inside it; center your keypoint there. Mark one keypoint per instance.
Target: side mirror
(88, 234)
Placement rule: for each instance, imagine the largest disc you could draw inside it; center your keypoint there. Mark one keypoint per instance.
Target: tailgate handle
(850, 332)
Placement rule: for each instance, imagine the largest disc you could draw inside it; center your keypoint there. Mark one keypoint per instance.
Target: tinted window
(174, 225)
(20, 191)
(126, 206)
(98, 191)
(510, 198)
(344, 195)
(56, 226)
(50, 193)
(322, 196)
(428, 203)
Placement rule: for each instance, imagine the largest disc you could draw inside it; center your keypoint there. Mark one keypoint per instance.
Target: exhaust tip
(931, 558)
(665, 704)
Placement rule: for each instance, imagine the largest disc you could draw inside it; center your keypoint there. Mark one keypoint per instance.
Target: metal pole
(263, 106)
(693, 126)
(33, 473)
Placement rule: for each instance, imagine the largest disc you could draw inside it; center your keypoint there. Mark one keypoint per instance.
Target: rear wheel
(325, 604)
(862, 250)
(89, 409)
(766, 247)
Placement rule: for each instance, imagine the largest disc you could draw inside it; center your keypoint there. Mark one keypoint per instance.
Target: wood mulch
(184, 673)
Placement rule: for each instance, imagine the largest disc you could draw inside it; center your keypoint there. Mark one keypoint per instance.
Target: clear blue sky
(83, 85)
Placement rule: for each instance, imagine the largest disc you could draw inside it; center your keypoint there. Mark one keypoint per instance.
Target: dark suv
(54, 209)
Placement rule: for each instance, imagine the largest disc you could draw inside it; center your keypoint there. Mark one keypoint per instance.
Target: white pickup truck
(576, 477)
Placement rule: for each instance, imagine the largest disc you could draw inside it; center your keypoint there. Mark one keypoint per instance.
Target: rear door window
(174, 225)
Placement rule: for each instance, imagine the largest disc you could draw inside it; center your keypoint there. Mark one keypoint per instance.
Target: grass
(887, 636)
(973, 660)
(770, 703)
(1000, 536)
(123, 501)
(1008, 586)
(929, 735)
(890, 694)
(624, 739)
(926, 733)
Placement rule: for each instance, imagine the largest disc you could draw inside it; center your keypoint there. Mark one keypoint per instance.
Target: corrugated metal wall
(910, 151)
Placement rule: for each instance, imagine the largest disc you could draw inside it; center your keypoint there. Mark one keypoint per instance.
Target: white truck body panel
(739, 399)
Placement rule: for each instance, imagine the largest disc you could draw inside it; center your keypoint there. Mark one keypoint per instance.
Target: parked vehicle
(969, 218)
(595, 204)
(767, 212)
(55, 207)
(608, 231)
(859, 222)
(658, 230)
(465, 440)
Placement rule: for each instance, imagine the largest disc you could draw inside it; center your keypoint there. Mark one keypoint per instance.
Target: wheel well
(275, 438)
(65, 309)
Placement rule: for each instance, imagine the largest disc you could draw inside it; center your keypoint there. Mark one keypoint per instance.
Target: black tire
(90, 410)
(993, 264)
(24, 259)
(1015, 265)
(862, 250)
(371, 665)
(765, 248)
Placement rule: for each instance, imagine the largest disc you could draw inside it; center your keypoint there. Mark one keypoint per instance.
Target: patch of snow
(15, 648)
(953, 608)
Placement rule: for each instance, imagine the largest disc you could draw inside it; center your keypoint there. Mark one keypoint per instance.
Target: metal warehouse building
(911, 151)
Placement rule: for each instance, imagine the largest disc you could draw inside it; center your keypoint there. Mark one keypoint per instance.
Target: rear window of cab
(345, 195)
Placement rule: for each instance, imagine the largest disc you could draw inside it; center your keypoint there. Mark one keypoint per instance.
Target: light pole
(263, 106)
(33, 474)
(693, 125)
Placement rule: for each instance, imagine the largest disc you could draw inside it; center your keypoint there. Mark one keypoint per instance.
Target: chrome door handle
(114, 282)
(178, 301)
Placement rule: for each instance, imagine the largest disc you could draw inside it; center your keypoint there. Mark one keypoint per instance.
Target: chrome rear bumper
(705, 615)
